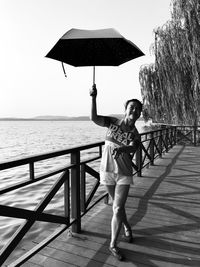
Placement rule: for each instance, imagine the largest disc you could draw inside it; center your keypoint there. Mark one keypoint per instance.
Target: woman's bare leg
(119, 195)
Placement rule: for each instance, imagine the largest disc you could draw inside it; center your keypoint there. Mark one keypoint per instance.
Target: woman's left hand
(116, 152)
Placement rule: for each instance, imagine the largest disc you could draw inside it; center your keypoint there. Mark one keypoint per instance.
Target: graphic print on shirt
(116, 135)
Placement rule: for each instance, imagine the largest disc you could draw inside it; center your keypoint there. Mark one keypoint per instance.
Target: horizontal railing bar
(156, 131)
(90, 160)
(37, 179)
(151, 138)
(17, 186)
(42, 177)
(190, 126)
(176, 125)
(29, 215)
(150, 132)
(27, 160)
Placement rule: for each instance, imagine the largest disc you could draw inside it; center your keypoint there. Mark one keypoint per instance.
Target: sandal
(128, 235)
(116, 253)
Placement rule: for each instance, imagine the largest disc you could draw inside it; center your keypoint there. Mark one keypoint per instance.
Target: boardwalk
(164, 210)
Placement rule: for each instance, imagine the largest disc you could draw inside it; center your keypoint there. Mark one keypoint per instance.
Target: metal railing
(189, 134)
(76, 203)
(73, 176)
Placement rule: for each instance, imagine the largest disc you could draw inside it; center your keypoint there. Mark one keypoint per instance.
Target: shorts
(110, 178)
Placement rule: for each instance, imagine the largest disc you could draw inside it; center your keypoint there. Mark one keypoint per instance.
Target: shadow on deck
(163, 209)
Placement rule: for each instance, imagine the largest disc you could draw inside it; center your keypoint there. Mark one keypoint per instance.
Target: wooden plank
(29, 264)
(163, 208)
(48, 262)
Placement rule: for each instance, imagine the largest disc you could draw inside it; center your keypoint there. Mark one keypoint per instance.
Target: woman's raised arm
(98, 119)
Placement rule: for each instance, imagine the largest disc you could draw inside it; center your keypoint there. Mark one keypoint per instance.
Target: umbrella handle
(64, 69)
(93, 75)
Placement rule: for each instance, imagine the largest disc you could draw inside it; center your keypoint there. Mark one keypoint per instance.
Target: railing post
(75, 191)
(167, 140)
(175, 134)
(138, 160)
(31, 170)
(67, 196)
(195, 135)
(83, 198)
(152, 148)
(160, 143)
(100, 150)
(172, 136)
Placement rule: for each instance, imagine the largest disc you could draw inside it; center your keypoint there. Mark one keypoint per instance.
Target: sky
(33, 85)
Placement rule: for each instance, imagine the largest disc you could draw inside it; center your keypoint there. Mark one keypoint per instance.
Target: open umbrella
(105, 47)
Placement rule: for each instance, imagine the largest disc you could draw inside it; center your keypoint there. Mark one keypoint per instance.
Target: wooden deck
(164, 211)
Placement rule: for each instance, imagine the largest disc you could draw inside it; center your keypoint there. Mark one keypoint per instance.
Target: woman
(122, 141)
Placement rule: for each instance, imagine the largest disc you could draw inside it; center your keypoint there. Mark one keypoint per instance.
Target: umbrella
(104, 47)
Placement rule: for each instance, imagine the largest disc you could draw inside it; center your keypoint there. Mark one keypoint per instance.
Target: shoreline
(84, 118)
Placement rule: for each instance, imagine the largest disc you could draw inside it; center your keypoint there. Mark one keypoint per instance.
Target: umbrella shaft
(93, 75)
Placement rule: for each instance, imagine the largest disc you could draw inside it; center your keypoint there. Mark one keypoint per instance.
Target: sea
(20, 139)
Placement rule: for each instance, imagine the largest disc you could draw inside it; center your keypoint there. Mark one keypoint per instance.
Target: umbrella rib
(64, 69)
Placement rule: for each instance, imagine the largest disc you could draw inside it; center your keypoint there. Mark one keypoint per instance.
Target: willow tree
(171, 86)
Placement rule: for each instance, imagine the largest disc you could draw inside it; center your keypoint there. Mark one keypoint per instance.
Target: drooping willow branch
(171, 86)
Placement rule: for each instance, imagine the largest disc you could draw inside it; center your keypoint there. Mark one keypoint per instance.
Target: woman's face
(133, 110)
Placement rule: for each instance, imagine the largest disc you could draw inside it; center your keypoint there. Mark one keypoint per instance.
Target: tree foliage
(171, 86)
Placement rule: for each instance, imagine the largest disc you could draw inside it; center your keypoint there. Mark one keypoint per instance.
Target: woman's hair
(133, 100)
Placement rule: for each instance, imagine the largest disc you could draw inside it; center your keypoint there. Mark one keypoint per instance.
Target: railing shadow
(139, 252)
(143, 203)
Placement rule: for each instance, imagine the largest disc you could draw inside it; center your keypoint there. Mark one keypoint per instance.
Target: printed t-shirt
(116, 137)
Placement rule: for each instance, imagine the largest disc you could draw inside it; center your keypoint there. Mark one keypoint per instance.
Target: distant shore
(48, 118)
(55, 118)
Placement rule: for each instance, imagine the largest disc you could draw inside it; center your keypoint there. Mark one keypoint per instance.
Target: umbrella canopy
(105, 47)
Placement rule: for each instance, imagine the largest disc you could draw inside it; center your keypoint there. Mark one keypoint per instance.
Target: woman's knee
(118, 210)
